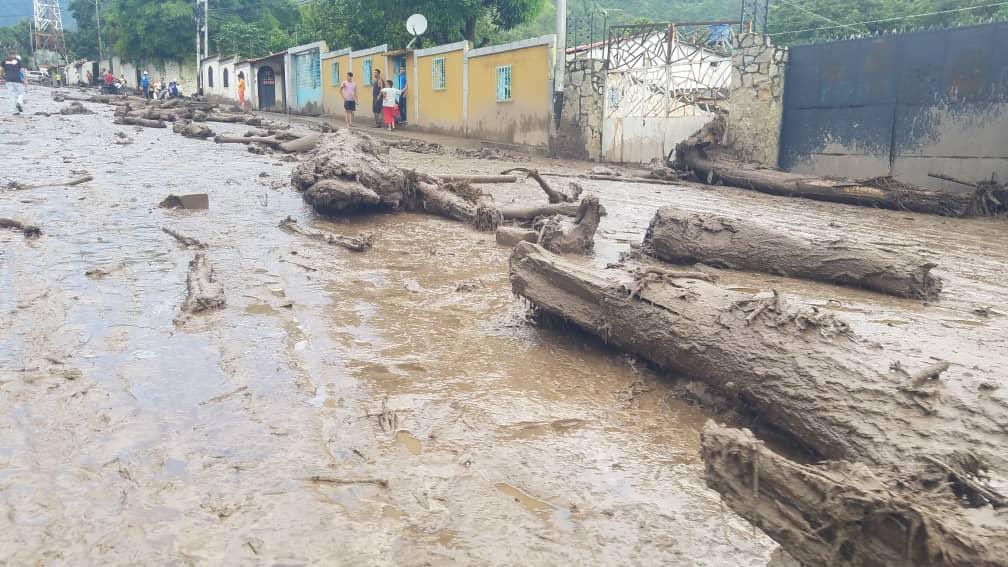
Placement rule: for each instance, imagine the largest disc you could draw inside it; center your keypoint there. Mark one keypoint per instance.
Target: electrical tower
(49, 27)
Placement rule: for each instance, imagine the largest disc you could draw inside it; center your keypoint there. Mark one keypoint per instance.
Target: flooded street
(391, 407)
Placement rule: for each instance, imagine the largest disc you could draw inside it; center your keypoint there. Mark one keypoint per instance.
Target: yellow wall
(332, 102)
(441, 110)
(526, 118)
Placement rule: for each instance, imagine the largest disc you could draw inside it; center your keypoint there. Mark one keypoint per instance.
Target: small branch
(322, 479)
(68, 183)
(477, 178)
(361, 243)
(553, 195)
(186, 241)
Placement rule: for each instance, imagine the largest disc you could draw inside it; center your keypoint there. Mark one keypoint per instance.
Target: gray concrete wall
(756, 104)
(579, 134)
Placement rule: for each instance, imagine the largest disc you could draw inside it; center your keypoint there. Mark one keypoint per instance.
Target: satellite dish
(416, 24)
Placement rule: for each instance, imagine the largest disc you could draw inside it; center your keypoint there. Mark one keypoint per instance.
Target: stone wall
(756, 104)
(579, 134)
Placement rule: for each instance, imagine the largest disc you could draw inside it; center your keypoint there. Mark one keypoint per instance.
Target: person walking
(145, 85)
(348, 90)
(377, 84)
(390, 104)
(241, 90)
(14, 78)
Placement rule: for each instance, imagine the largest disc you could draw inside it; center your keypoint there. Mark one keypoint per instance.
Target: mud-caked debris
(203, 292)
(193, 201)
(74, 108)
(29, 231)
(190, 129)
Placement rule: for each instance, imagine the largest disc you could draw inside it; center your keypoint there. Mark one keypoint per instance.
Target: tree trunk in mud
(203, 291)
(682, 237)
(191, 129)
(573, 238)
(847, 514)
(29, 230)
(349, 173)
(131, 121)
(881, 192)
(800, 370)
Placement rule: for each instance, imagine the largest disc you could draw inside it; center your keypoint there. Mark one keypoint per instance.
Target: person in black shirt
(14, 77)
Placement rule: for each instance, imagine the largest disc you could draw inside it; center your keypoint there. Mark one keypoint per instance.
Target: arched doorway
(266, 81)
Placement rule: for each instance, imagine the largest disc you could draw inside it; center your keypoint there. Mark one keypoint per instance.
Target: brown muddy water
(392, 407)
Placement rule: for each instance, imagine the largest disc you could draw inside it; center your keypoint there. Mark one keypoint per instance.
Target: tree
(17, 37)
(83, 42)
(150, 30)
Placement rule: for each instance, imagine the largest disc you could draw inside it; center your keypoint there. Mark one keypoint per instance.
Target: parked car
(37, 77)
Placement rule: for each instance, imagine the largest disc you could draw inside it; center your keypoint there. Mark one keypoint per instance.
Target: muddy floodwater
(393, 407)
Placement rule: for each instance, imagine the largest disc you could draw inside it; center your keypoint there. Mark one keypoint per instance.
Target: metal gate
(663, 83)
(266, 83)
(900, 105)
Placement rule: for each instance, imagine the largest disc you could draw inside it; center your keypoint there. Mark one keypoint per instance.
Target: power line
(894, 19)
(820, 16)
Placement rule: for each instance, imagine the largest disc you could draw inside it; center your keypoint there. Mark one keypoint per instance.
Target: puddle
(406, 439)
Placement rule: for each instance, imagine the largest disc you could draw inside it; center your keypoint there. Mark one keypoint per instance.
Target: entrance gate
(266, 81)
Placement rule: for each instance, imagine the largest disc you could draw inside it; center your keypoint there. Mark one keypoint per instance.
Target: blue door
(308, 81)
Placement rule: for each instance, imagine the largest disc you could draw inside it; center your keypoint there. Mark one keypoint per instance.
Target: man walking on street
(348, 90)
(14, 77)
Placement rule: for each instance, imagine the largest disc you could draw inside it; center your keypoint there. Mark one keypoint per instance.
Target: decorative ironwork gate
(663, 82)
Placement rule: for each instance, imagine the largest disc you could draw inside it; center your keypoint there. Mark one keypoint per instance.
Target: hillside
(621, 11)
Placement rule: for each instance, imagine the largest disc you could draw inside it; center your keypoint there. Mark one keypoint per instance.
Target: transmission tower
(49, 26)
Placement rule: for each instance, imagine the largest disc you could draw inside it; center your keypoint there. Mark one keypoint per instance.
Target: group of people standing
(387, 102)
(155, 90)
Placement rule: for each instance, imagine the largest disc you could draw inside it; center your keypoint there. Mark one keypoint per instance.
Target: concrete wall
(183, 73)
(332, 101)
(579, 135)
(527, 117)
(217, 67)
(756, 103)
(443, 110)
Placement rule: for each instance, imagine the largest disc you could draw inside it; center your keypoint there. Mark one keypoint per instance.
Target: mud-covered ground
(392, 407)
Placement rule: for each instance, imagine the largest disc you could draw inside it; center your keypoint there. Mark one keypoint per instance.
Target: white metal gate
(663, 83)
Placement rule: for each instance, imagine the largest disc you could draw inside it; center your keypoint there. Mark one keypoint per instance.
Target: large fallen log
(843, 513)
(350, 173)
(880, 192)
(191, 129)
(800, 370)
(300, 144)
(683, 237)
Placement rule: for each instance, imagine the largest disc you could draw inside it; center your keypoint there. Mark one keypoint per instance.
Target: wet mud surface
(388, 407)
(394, 406)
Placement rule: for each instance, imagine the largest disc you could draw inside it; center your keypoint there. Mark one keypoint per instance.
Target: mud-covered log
(800, 370)
(132, 121)
(65, 183)
(578, 237)
(512, 235)
(477, 178)
(881, 192)
(552, 195)
(74, 108)
(29, 230)
(265, 140)
(360, 243)
(191, 129)
(203, 291)
(683, 237)
(531, 212)
(848, 514)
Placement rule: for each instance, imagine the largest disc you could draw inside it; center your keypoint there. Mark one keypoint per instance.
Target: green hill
(579, 13)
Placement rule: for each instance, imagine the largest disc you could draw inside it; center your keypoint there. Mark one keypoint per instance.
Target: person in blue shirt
(145, 84)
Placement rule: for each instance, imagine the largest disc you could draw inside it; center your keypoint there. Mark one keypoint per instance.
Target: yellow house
(438, 88)
(335, 65)
(510, 92)
(364, 63)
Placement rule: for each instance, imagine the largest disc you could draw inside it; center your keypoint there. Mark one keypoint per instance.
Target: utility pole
(199, 58)
(206, 28)
(98, 18)
(561, 59)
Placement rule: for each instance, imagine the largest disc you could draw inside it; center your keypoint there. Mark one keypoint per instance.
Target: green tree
(17, 37)
(150, 30)
(83, 41)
